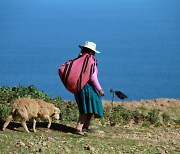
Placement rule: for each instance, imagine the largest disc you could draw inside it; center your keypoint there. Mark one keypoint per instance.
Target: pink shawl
(77, 72)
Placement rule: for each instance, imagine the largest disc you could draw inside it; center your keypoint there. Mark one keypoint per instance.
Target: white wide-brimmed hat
(90, 45)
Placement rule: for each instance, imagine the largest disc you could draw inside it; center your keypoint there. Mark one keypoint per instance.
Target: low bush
(166, 118)
(153, 116)
(8, 94)
(5, 111)
(176, 120)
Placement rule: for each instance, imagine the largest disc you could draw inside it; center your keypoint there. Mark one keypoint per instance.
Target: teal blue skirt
(89, 101)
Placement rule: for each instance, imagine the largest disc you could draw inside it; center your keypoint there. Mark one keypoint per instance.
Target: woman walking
(89, 97)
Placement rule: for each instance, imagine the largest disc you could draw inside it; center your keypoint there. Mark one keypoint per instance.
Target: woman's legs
(88, 120)
(83, 121)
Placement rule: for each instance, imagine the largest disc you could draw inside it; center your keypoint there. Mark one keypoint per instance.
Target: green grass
(105, 139)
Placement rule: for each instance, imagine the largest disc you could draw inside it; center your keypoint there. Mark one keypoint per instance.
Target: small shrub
(115, 118)
(166, 118)
(107, 112)
(5, 111)
(176, 120)
(107, 115)
(71, 112)
(153, 116)
(6, 93)
(68, 111)
(119, 115)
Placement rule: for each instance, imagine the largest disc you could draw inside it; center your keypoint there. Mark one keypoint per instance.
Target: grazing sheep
(26, 109)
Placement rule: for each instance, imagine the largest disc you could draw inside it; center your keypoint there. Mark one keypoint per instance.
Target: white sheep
(26, 109)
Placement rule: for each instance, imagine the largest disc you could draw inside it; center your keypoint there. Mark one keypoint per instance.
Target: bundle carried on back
(75, 73)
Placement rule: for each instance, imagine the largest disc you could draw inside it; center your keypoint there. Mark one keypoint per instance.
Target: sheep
(26, 109)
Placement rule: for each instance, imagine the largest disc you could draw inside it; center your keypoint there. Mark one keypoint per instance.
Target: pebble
(20, 143)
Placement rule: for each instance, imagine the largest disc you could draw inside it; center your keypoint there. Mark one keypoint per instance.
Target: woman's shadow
(54, 126)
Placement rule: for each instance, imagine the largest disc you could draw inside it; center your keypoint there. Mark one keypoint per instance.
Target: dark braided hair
(86, 50)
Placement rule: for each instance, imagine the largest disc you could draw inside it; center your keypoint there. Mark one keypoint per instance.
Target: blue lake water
(139, 42)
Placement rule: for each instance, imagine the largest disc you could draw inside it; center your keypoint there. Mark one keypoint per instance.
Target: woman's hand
(101, 92)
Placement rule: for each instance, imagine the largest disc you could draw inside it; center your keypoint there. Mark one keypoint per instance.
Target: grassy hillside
(147, 126)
